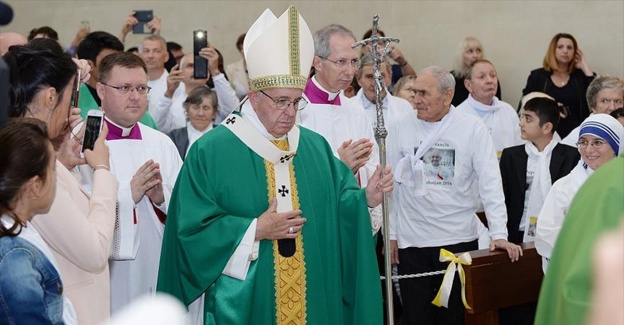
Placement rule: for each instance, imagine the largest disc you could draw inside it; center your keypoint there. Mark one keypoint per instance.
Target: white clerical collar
(330, 96)
(250, 116)
(124, 131)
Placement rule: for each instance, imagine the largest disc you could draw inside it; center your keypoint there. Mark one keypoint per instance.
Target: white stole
(411, 169)
(539, 187)
(281, 160)
(495, 106)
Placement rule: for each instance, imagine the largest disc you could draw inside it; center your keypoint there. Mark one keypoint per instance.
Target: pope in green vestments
(222, 233)
(568, 285)
(222, 188)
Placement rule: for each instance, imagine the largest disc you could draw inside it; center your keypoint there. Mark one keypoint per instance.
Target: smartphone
(200, 40)
(144, 17)
(76, 91)
(85, 24)
(95, 118)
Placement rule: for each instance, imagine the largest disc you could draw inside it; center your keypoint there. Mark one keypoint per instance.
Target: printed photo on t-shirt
(439, 167)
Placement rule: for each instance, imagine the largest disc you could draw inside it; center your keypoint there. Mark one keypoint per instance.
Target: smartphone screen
(76, 91)
(200, 40)
(92, 131)
(143, 16)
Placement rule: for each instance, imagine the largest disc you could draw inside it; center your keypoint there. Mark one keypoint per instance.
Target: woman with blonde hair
(469, 50)
(565, 76)
(404, 88)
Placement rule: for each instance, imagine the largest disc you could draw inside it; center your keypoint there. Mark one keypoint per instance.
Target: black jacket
(513, 167)
(539, 80)
(180, 139)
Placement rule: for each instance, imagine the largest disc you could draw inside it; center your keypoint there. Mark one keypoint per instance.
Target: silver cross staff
(380, 135)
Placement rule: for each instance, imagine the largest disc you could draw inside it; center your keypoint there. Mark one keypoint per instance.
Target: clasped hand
(355, 154)
(148, 181)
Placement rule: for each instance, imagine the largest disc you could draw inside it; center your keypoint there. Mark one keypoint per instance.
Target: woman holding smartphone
(565, 76)
(78, 228)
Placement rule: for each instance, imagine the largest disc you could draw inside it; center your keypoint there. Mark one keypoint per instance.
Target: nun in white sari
(600, 140)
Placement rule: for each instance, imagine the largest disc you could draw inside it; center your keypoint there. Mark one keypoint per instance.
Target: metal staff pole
(380, 135)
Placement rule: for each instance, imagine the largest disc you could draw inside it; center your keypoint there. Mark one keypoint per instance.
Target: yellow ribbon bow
(444, 293)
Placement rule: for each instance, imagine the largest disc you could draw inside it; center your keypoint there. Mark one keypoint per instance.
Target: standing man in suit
(529, 170)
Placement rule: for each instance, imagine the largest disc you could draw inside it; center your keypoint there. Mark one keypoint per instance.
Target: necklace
(561, 81)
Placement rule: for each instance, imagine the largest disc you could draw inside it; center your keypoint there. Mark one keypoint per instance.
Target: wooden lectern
(494, 282)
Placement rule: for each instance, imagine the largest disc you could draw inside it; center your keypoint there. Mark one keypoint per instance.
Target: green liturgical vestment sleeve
(566, 293)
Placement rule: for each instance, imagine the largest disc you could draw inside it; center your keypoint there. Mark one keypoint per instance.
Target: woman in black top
(565, 76)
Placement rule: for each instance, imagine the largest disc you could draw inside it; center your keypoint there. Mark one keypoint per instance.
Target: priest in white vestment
(146, 164)
(340, 120)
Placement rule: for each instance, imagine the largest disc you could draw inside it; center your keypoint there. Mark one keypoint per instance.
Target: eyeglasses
(282, 104)
(356, 63)
(597, 143)
(616, 102)
(141, 89)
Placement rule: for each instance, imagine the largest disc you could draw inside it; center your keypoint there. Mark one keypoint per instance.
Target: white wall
(515, 34)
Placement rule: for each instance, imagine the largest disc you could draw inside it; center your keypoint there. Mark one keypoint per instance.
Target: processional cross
(380, 135)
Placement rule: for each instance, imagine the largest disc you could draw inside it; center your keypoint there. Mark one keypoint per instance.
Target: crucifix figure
(380, 135)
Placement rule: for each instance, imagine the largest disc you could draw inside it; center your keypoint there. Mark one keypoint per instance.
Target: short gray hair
(600, 83)
(321, 38)
(155, 38)
(367, 60)
(468, 75)
(445, 78)
(197, 95)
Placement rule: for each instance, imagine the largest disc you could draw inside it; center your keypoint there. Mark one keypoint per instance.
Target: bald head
(9, 39)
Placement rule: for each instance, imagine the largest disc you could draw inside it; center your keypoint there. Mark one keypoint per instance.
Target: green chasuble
(86, 102)
(221, 188)
(568, 285)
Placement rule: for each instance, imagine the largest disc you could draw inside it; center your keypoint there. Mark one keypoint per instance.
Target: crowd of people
(254, 195)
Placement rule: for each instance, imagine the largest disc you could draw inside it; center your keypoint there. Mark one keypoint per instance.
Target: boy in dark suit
(529, 170)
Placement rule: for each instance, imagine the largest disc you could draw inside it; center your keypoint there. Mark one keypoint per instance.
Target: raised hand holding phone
(142, 18)
(176, 75)
(200, 40)
(94, 121)
(99, 156)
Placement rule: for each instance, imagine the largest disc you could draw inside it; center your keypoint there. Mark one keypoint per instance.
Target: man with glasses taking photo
(146, 164)
(340, 120)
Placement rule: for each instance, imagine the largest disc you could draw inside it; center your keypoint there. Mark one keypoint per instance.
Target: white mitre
(279, 51)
